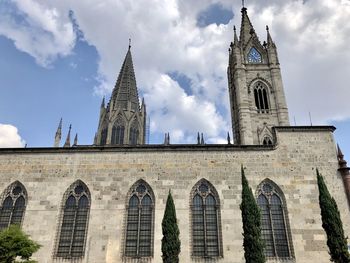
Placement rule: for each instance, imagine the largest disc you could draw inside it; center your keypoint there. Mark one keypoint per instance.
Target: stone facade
(109, 172)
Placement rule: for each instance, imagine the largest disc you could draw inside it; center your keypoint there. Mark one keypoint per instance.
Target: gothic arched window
(13, 205)
(267, 140)
(74, 222)
(134, 134)
(104, 136)
(274, 221)
(140, 220)
(261, 98)
(206, 229)
(118, 132)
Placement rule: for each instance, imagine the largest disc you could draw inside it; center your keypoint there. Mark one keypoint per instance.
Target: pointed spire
(75, 140)
(235, 38)
(165, 139)
(269, 38)
(125, 91)
(67, 143)
(247, 29)
(228, 138)
(95, 139)
(168, 139)
(198, 138)
(202, 139)
(129, 43)
(58, 134)
(103, 102)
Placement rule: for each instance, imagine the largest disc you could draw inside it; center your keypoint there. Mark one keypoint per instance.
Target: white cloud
(312, 40)
(9, 137)
(42, 32)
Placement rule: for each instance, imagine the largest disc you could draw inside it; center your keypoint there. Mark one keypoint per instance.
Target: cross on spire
(129, 43)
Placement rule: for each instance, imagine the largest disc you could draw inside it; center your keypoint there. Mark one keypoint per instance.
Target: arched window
(267, 140)
(104, 136)
(118, 132)
(134, 134)
(13, 205)
(261, 98)
(140, 220)
(274, 221)
(206, 230)
(74, 223)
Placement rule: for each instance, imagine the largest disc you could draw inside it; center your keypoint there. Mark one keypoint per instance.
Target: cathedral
(104, 203)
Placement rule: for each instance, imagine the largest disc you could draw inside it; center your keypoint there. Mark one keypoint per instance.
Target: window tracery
(118, 132)
(205, 209)
(140, 220)
(74, 223)
(134, 134)
(13, 206)
(261, 98)
(274, 221)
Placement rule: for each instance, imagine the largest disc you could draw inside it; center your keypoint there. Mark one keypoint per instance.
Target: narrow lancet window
(134, 134)
(118, 132)
(13, 205)
(205, 209)
(261, 98)
(274, 222)
(74, 224)
(140, 220)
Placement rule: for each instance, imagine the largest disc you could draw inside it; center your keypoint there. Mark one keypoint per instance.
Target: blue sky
(56, 61)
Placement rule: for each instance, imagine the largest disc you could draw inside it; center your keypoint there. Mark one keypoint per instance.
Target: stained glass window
(13, 206)
(261, 98)
(118, 132)
(205, 217)
(134, 134)
(139, 229)
(254, 56)
(74, 222)
(273, 222)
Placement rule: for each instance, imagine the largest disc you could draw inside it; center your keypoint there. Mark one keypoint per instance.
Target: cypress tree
(252, 242)
(170, 241)
(332, 224)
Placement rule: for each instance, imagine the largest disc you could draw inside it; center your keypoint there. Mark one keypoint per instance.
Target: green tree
(15, 243)
(170, 241)
(252, 242)
(332, 224)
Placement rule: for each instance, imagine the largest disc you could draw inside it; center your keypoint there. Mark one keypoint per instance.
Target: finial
(58, 134)
(234, 28)
(198, 138)
(202, 139)
(129, 43)
(75, 140)
(243, 3)
(168, 138)
(67, 143)
(267, 28)
(228, 138)
(103, 102)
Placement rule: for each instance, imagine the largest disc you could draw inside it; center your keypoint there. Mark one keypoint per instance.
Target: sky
(58, 58)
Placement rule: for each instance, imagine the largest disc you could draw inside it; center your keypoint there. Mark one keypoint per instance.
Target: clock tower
(256, 92)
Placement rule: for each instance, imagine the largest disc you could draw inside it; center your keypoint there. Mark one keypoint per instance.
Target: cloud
(9, 137)
(311, 36)
(36, 29)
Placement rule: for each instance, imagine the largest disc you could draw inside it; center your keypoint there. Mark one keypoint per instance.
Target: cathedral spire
(125, 90)
(58, 134)
(67, 143)
(269, 38)
(235, 38)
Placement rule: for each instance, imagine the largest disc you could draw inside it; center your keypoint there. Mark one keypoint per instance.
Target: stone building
(105, 202)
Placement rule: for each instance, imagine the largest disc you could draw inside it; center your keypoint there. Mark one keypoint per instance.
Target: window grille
(74, 222)
(274, 222)
(205, 208)
(261, 98)
(14, 204)
(140, 218)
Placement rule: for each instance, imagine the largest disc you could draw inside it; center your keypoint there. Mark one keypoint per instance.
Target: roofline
(167, 148)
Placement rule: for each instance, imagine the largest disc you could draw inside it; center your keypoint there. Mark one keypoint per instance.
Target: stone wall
(109, 173)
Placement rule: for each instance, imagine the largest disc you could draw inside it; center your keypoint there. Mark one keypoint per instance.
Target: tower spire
(67, 143)
(58, 134)
(247, 29)
(269, 38)
(235, 38)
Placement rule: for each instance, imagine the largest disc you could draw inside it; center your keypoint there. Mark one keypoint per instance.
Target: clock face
(254, 56)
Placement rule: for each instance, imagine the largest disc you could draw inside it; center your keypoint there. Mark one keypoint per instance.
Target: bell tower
(256, 91)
